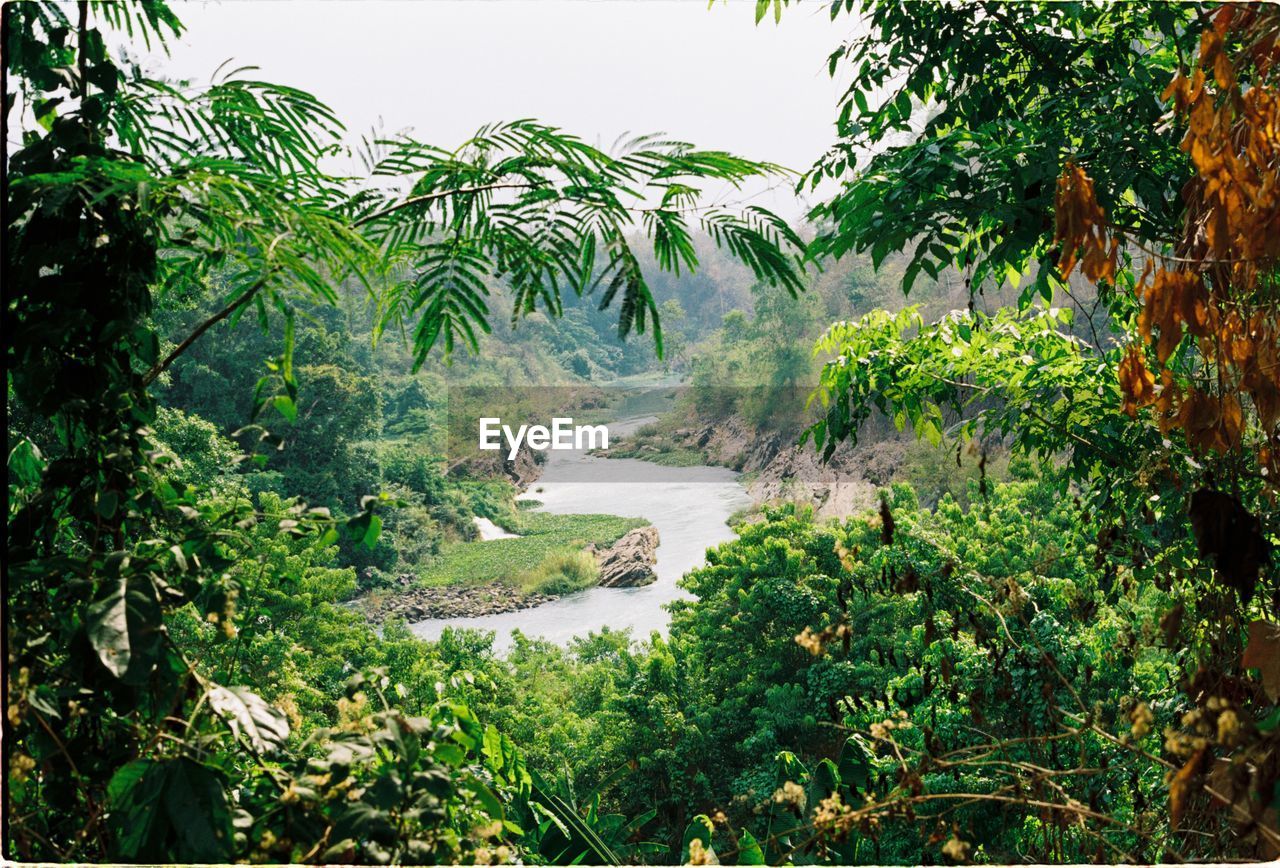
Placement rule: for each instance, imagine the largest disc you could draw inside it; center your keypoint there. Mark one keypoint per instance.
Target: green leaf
(909, 277)
(855, 764)
(363, 822)
(702, 829)
(123, 627)
(286, 406)
(107, 503)
(26, 463)
(584, 843)
(903, 104)
(488, 801)
(196, 805)
(371, 534)
(492, 746)
(749, 850)
(132, 793)
(824, 781)
(108, 622)
(171, 811)
(250, 717)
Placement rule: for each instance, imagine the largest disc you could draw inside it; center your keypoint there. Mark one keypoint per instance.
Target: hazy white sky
(599, 68)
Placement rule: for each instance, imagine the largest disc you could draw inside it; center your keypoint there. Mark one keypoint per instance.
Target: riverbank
(774, 468)
(627, 563)
(537, 535)
(413, 602)
(506, 572)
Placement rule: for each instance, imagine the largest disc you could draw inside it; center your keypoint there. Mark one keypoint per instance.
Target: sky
(597, 68)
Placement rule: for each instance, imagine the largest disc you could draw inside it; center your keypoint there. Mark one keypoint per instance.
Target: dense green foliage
(991, 98)
(757, 686)
(122, 740)
(1179, 498)
(226, 420)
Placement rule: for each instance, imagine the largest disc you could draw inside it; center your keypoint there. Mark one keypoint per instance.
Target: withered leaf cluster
(1217, 288)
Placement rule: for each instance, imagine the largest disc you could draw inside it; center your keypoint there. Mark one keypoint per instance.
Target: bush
(562, 572)
(208, 460)
(492, 499)
(414, 467)
(411, 530)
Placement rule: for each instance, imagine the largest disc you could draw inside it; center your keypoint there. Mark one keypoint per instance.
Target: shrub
(562, 572)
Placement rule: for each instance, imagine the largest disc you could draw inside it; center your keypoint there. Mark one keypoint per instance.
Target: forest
(1000, 417)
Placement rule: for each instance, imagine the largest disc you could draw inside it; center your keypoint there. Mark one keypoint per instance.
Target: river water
(688, 505)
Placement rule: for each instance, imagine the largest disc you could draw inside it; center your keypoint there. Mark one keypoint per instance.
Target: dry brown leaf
(1183, 785)
(1137, 384)
(1263, 653)
(1268, 849)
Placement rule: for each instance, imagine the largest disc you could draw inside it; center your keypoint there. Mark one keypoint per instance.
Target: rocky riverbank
(414, 602)
(777, 470)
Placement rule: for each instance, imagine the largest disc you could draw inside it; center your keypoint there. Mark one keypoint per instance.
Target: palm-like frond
(549, 213)
(236, 172)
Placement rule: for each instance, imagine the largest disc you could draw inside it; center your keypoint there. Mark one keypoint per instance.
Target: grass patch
(510, 560)
(655, 443)
(666, 455)
(744, 515)
(562, 572)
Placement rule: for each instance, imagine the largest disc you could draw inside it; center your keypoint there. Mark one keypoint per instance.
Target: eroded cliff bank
(774, 467)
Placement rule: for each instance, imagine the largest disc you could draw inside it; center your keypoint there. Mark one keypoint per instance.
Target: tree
(676, 341)
(957, 119)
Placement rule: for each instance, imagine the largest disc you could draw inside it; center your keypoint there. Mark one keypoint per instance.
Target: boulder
(628, 563)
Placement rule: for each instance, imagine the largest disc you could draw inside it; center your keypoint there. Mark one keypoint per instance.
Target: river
(688, 505)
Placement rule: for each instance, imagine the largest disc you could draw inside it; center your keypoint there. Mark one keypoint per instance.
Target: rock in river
(629, 561)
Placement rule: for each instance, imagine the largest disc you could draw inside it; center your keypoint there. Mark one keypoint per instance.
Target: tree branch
(244, 298)
(1012, 28)
(82, 60)
(248, 295)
